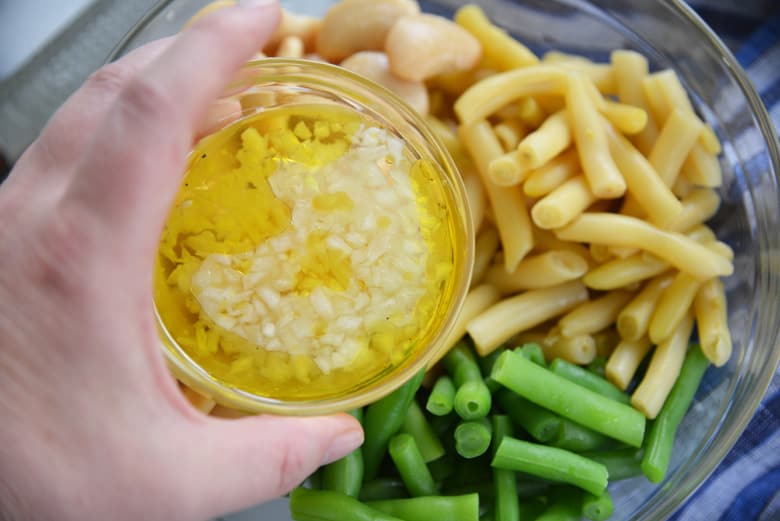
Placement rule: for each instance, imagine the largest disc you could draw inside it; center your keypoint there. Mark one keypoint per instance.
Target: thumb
(259, 458)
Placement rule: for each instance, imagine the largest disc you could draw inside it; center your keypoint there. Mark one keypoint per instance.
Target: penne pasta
(619, 230)
(622, 252)
(600, 253)
(507, 169)
(603, 176)
(663, 370)
(626, 118)
(634, 319)
(625, 359)
(485, 249)
(682, 187)
(538, 271)
(698, 207)
(712, 322)
(475, 192)
(702, 168)
(580, 349)
(601, 74)
(646, 187)
(550, 139)
(620, 272)
(487, 96)
(547, 241)
(630, 68)
(509, 133)
(530, 112)
(516, 314)
(673, 304)
(477, 301)
(543, 180)
(510, 212)
(678, 136)
(594, 315)
(563, 204)
(606, 341)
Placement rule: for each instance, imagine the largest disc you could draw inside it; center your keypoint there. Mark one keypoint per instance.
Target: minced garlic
(306, 248)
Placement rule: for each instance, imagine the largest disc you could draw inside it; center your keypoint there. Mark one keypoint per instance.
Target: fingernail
(256, 3)
(342, 445)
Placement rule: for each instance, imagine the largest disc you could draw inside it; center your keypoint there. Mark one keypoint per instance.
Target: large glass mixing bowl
(670, 35)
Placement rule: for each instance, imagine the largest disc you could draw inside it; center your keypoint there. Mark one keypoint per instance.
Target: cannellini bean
(304, 27)
(359, 25)
(290, 47)
(423, 45)
(375, 66)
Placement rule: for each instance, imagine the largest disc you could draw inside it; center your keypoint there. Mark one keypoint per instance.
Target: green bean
(411, 466)
(346, 474)
(570, 400)
(451, 508)
(505, 481)
(529, 487)
(565, 505)
(533, 352)
(660, 438)
(620, 463)
(597, 507)
(585, 378)
(442, 397)
(314, 481)
(531, 508)
(442, 468)
(472, 400)
(418, 427)
(472, 397)
(383, 488)
(486, 366)
(551, 463)
(598, 366)
(382, 420)
(472, 438)
(539, 422)
(576, 438)
(326, 505)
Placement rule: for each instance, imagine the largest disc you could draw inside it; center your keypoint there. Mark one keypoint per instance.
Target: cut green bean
(346, 474)
(585, 378)
(382, 419)
(597, 507)
(486, 366)
(660, 438)
(565, 505)
(472, 438)
(532, 352)
(383, 488)
(551, 463)
(531, 508)
(539, 422)
(418, 427)
(570, 400)
(507, 505)
(473, 400)
(451, 508)
(442, 468)
(442, 397)
(576, 438)
(326, 505)
(411, 466)
(620, 463)
(472, 396)
(598, 366)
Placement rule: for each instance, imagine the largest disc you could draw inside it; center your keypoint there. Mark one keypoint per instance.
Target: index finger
(130, 174)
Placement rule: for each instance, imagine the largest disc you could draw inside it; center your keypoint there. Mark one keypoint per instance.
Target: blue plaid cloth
(746, 485)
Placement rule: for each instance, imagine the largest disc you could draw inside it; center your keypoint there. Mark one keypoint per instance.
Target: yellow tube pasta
(514, 315)
(475, 192)
(630, 68)
(547, 241)
(600, 74)
(646, 187)
(606, 341)
(600, 253)
(538, 271)
(677, 249)
(663, 370)
(620, 272)
(487, 96)
(543, 180)
(702, 169)
(499, 50)
(626, 118)
(580, 349)
(595, 315)
(509, 210)
(634, 319)
(678, 136)
(563, 204)
(712, 322)
(485, 249)
(546, 142)
(530, 112)
(698, 207)
(625, 359)
(671, 308)
(603, 176)
(477, 301)
(507, 169)
(509, 133)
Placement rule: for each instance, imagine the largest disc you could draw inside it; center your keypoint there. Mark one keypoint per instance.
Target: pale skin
(93, 425)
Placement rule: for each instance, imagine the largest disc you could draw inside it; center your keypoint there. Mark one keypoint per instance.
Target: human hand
(93, 425)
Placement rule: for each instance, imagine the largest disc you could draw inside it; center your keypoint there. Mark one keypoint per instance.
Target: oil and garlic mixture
(306, 249)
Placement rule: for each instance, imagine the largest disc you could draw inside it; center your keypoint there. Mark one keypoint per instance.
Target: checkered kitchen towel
(746, 485)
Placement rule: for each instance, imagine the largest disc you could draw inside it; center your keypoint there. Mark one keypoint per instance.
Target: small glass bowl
(268, 84)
